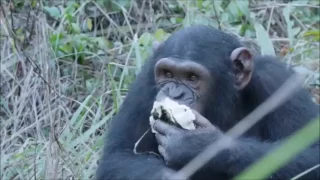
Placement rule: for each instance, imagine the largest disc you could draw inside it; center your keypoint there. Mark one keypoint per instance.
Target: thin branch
(217, 16)
(306, 172)
(282, 5)
(271, 14)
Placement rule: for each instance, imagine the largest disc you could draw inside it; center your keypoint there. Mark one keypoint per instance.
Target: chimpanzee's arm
(246, 151)
(183, 146)
(130, 123)
(120, 162)
(126, 165)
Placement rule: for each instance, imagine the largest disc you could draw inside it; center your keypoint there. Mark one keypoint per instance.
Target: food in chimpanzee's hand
(171, 112)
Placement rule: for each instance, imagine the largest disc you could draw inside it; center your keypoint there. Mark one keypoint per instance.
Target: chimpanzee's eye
(168, 74)
(192, 77)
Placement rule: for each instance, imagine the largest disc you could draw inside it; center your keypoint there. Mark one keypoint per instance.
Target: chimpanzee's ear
(242, 64)
(155, 45)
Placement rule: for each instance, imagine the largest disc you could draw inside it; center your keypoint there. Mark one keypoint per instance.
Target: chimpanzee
(211, 72)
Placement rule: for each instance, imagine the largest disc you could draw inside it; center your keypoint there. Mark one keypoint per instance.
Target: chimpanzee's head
(196, 59)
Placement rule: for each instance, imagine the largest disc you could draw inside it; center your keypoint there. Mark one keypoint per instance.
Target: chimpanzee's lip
(187, 102)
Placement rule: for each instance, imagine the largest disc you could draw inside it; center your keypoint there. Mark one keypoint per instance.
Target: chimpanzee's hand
(178, 146)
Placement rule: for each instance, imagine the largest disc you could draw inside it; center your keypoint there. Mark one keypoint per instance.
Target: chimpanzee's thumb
(201, 121)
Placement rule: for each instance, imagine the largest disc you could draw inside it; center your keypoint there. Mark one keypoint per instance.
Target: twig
(281, 5)
(299, 22)
(34, 21)
(279, 21)
(137, 143)
(305, 172)
(140, 17)
(271, 14)
(292, 85)
(217, 16)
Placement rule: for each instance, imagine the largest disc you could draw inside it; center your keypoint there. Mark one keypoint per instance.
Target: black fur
(226, 106)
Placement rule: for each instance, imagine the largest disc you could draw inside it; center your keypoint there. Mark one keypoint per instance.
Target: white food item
(176, 113)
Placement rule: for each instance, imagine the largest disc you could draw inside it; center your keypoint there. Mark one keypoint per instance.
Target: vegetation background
(67, 65)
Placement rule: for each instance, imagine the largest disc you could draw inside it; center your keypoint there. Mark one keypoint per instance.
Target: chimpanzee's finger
(161, 150)
(164, 128)
(161, 139)
(201, 121)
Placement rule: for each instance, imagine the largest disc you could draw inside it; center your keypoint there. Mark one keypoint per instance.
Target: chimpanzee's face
(186, 82)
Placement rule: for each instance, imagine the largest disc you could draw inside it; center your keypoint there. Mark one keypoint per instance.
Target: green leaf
(160, 34)
(101, 42)
(176, 20)
(68, 17)
(91, 84)
(315, 34)
(244, 28)
(243, 6)
(264, 40)
(89, 23)
(199, 3)
(233, 9)
(55, 40)
(34, 3)
(249, 33)
(123, 3)
(53, 12)
(224, 17)
(145, 39)
(71, 7)
(312, 33)
(75, 28)
(19, 31)
(66, 48)
(81, 46)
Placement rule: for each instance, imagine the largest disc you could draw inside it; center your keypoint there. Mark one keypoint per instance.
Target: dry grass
(54, 110)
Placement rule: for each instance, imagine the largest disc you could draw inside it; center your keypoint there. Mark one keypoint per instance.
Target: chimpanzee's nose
(176, 93)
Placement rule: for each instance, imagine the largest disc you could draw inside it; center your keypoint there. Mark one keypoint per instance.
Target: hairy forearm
(125, 165)
(244, 152)
(241, 154)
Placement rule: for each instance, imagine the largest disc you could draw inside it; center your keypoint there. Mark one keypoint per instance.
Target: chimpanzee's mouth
(187, 102)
